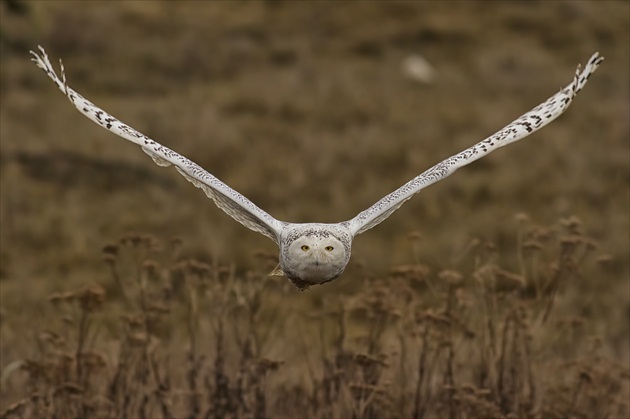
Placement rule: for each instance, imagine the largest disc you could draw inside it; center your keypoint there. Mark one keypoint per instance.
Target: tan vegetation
(305, 109)
(174, 337)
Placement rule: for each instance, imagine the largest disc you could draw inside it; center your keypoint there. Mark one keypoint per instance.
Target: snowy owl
(316, 253)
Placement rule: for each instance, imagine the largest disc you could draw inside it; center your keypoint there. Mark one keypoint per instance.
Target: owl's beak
(320, 257)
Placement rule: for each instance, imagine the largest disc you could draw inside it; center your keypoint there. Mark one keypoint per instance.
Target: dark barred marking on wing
(520, 128)
(233, 203)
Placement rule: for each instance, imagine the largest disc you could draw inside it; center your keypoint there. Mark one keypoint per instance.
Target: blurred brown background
(307, 109)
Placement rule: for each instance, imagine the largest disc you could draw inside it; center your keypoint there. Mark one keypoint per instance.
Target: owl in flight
(315, 253)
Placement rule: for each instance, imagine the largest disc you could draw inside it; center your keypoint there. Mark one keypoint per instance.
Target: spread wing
(526, 124)
(233, 203)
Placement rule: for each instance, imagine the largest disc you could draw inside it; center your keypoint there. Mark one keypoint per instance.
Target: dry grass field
(502, 291)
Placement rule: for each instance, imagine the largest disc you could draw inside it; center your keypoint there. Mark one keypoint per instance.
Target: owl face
(313, 259)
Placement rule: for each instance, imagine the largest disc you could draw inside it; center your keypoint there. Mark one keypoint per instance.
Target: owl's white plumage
(314, 253)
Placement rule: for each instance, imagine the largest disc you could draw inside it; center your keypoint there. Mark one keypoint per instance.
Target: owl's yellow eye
(305, 248)
(329, 248)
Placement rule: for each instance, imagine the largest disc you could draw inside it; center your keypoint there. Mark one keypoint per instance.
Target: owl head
(314, 256)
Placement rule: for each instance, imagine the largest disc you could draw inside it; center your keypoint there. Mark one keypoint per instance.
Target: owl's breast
(311, 274)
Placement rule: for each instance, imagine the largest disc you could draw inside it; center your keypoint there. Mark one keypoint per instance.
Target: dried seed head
(34, 368)
(414, 235)
(195, 268)
(533, 245)
(70, 388)
(438, 319)
(137, 339)
(521, 217)
(157, 307)
(139, 240)
(539, 234)
(67, 320)
(491, 247)
(366, 360)
(590, 244)
(93, 360)
(51, 338)
(110, 249)
(604, 260)
(498, 279)
(16, 409)
(264, 365)
(572, 224)
(150, 266)
(151, 270)
(55, 298)
(131, 239)
(68, 296)
(91, 299)
(134, 323)
(415, 272)
(569, 243)
(508, 281)
(453, 278)
(151, 242)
